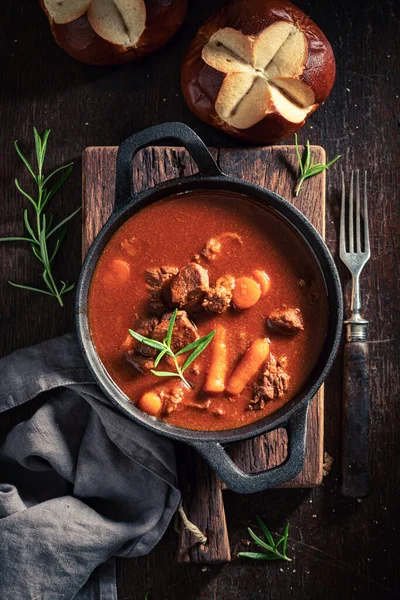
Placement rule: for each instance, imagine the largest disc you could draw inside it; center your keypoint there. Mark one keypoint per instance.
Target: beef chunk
(274, 383)
(211, 249)
(171, 397)
(286, 320)
(141, 356)
(145, 327)
(218, 297)
(157, 279)
(139, 361)
(189, 285)
(184, 333)
(213, 246)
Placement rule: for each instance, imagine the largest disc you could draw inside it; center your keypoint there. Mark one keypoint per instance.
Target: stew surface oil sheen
(173, 232)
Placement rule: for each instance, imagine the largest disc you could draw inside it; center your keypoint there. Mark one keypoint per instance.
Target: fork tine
(358, 216)
(342, 233)
(366, 228)
(351, 222)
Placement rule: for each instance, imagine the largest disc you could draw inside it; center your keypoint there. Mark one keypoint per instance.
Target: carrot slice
(249, 366)
(263, 280)
(150, 403)
(215, 381)
(246, 293)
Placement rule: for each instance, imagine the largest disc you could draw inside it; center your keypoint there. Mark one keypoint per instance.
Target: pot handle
(166, 132)
(248, 483)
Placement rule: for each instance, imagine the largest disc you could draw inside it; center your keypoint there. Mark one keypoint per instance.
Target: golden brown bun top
(252, 17)
(232, 95)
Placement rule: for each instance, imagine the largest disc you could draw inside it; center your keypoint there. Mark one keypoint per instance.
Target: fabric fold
(80, 482)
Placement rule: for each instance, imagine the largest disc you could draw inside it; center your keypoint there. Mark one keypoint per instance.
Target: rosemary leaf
(36, 253)
(298, 156)
(19, 188)
(286, 535)
(57, 246)
(172, 320)
(42, 242)
(159, 357)
(195, 343)
(28, 287)
(66, 287)
(47, 279)
(333, 161)
(308, 157)
(69, 166)
(63, 222)
(266, 531)
(280, 541)
(259, 541)
(59, 183)
(28, 225)
(164, 373)
(16, 239)
(200, 348)
(152, 343)
(24, 160)
(259, 556)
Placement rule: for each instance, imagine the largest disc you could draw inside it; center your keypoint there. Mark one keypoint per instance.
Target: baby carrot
(249, 366)
(216, 377)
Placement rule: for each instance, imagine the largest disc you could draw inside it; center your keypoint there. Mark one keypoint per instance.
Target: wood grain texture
(271, 167)
(340, 548)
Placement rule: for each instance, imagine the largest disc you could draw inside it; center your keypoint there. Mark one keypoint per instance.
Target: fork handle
(355, 460)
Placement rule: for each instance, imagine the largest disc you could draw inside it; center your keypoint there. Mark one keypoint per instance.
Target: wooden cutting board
(274, 167)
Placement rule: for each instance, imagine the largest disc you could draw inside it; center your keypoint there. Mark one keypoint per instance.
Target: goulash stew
(207, 310)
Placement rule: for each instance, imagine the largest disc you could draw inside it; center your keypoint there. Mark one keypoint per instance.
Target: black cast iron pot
(293, 415)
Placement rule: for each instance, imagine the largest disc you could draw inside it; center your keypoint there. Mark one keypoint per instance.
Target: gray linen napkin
(79, 482)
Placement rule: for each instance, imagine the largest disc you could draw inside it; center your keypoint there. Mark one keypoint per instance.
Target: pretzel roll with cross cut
(257, 69)
(108, 32)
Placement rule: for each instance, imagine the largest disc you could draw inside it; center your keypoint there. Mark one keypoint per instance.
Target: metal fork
(355, 252)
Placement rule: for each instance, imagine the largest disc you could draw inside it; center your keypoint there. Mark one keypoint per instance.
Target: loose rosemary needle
(307, 167)
(42, 228)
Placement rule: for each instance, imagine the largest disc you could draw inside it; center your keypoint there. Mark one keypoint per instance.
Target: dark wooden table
(339, 547)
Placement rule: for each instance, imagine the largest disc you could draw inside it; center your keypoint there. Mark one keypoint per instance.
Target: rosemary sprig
(39, 233)
(275, 550)
(308, 168)
(164, 348)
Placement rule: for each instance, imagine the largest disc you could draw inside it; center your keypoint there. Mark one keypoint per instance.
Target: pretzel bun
(109, 32)
(257, 69)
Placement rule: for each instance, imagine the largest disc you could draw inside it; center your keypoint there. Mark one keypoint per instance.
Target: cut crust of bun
(118, 21)
(111, 32)
(65, 11)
